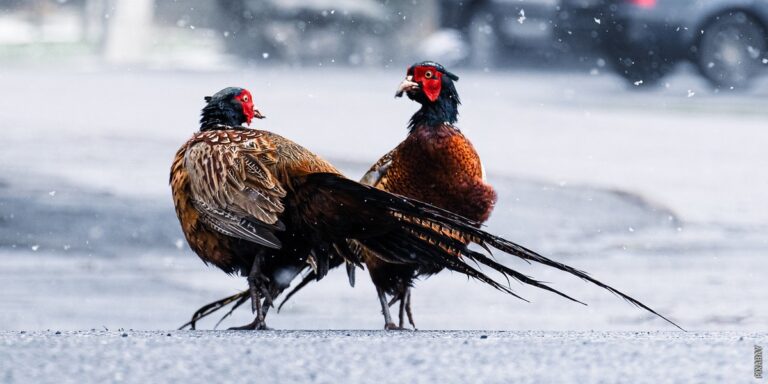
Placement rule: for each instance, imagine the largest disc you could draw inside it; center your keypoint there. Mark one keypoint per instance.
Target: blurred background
(640, 40)
(627, 138)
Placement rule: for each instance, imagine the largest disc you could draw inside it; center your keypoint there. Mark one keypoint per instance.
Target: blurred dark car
(644, 39)
(306, 31)
(493, 27)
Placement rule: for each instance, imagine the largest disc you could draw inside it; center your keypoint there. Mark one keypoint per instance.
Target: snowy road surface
(81, 260)
(701, 156)
(378, 357)
(657, 193)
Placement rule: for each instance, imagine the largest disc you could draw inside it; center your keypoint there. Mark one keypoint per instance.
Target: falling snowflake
(521, 19)
(35, 248)
(265, 55)
(179, 243)
(52, 193)
(638, 83)
(691, 93)
(753, 52)
(597, 20)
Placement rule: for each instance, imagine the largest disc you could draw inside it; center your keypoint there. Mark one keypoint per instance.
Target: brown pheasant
(435, 164)
(253, 202)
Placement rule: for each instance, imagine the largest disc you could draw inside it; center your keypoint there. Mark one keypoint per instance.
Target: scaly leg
(404, 297)
(408, 308)
(257, 286)
(388, 324)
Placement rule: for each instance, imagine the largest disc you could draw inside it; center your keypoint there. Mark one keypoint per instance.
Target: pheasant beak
(407, 85)
(258, 114)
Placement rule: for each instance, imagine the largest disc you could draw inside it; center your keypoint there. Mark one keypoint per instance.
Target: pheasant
(435, 164)
(252, 202)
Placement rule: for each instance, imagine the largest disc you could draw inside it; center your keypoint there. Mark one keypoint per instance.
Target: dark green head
(230, 107)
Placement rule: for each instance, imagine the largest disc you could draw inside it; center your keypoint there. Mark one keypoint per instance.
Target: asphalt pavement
(377, 357)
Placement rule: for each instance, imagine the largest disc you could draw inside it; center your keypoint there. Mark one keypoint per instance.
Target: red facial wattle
(430, 80)
(246, 100)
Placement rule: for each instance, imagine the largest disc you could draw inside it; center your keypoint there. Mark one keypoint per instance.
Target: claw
(256, 325)
(393, 327)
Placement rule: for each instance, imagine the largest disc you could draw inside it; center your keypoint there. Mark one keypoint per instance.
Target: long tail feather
(239, 302)
(402, 230)
(527, 254)
(429, 236)
(212, 307)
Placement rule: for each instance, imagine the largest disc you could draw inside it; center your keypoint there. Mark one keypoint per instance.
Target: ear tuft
(208, 99)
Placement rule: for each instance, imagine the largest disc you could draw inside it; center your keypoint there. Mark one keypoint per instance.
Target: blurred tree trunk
(129, 30)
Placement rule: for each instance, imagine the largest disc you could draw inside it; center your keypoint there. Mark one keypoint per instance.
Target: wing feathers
(234, 191)
(378, 171)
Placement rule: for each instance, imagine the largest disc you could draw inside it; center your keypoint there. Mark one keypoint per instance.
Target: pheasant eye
(245, 98)
(428, 74)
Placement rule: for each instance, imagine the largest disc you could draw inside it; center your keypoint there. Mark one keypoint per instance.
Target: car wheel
(642, 70)
(731, 49)
(482, 34)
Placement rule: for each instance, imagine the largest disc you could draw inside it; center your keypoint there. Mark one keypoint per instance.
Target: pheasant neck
(443, 110)
(216, 116)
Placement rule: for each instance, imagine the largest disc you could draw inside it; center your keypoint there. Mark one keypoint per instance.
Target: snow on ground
(158, 291)
(365, 356)
(657, 193)
(701, 156)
